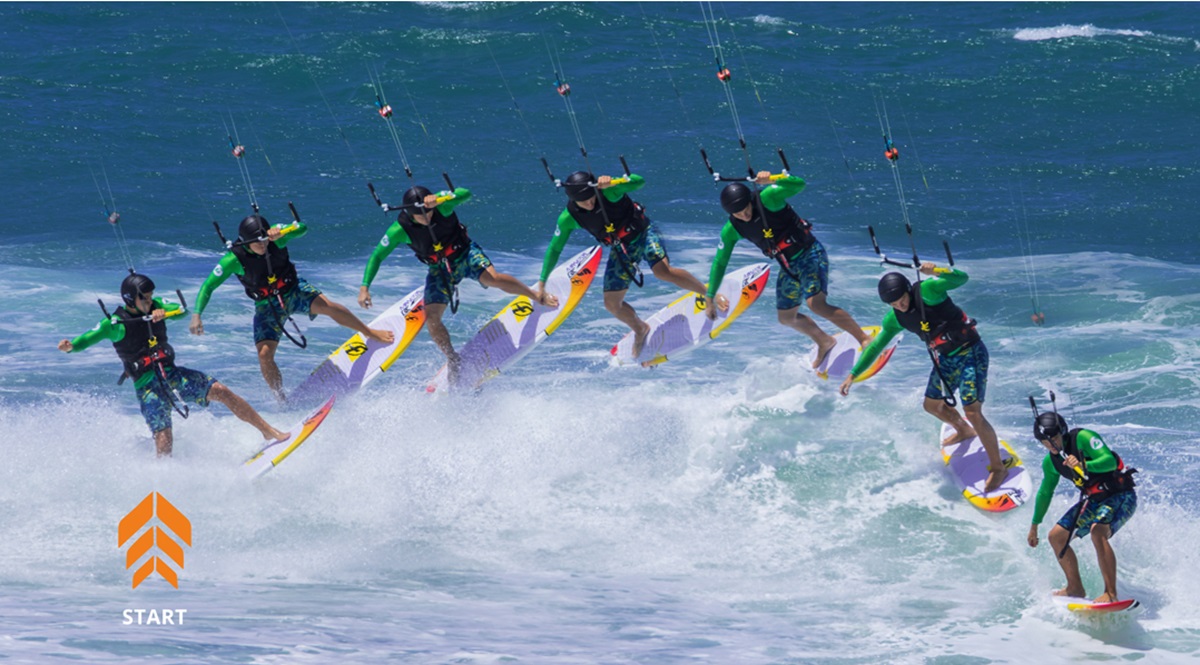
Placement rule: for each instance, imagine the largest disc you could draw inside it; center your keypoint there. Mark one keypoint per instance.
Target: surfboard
(682, 326)
(523, 324)
(275, 452)
(358, 362)
(967, 463)
(1087, 606)
(842, 357)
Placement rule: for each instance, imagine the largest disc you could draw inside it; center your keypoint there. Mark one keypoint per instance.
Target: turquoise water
(729, 507)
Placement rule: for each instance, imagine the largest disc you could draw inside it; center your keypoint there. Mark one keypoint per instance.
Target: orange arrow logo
(154, 505)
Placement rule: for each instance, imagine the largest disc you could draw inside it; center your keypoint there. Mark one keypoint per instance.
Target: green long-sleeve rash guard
(112, 330)
(229, 265)
(1097, 458)
(396, 236)
(933, 291)
(567, 223)
(774, 198)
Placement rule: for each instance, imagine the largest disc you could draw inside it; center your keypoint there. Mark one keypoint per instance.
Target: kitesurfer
(1107, 499)
(959, 355)
(138, 332)
(766, 219)
(429, 226)
(620, 224)
(261, 262)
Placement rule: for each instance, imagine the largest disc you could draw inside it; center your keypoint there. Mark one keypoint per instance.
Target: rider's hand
(1032, 538)
(65, 346)
(844, 389)
(710, 309)
(196, 327)
(364, 298)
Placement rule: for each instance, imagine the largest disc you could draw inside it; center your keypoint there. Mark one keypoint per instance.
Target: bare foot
(823, 350)
(639, 339)
(958, 437)
(1106, 598)
(379, 335)
(995, 477)
(1070, 593)
(277, 435)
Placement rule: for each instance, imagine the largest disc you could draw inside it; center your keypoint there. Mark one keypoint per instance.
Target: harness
(264, 284)
(1097, 486)
(444, 237)
(610, 223)
(944, 327)
(142, 352)
(778, 234)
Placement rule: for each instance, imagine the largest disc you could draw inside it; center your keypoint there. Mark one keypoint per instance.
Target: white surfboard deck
(683, 326)
(967, 463)
(360, 361)
(513, 332)
(845, 354)
(272, 454)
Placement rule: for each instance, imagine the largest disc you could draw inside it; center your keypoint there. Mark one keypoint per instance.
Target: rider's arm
(393, 237)
(169, 307)
(566, 224)
(1045, 491)
(615, 192)
(109, 329)
(887, 330)
(298, 230)
(228, 265)
(934, 289)
(775, 195)
(461, 195)
(729, 238)
(1097, 457)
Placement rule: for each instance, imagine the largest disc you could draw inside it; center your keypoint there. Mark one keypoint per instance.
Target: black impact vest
(266, 274)
(620, 219)
(1098, 486)
(946, 327)
(443, 238)
(775, 232)
(144, 344)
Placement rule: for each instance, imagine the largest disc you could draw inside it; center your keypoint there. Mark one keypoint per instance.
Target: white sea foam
(1068, 31)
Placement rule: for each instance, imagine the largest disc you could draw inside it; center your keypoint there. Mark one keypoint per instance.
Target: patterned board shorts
(469, 265)
(155, 400)
(1114, 511)
(812, 265)
(966, 373)
(648, 247)
(268, 319)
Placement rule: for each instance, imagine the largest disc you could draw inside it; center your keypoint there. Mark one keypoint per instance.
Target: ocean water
(727, 508)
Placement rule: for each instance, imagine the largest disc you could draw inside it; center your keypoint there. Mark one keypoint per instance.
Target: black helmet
(252, 228)
(892, 286)
(135, 285)
(735, 197)
(415, 196)
(579, 186)
(1048, 425)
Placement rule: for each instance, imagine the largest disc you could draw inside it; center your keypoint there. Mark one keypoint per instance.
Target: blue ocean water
(729, 507)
